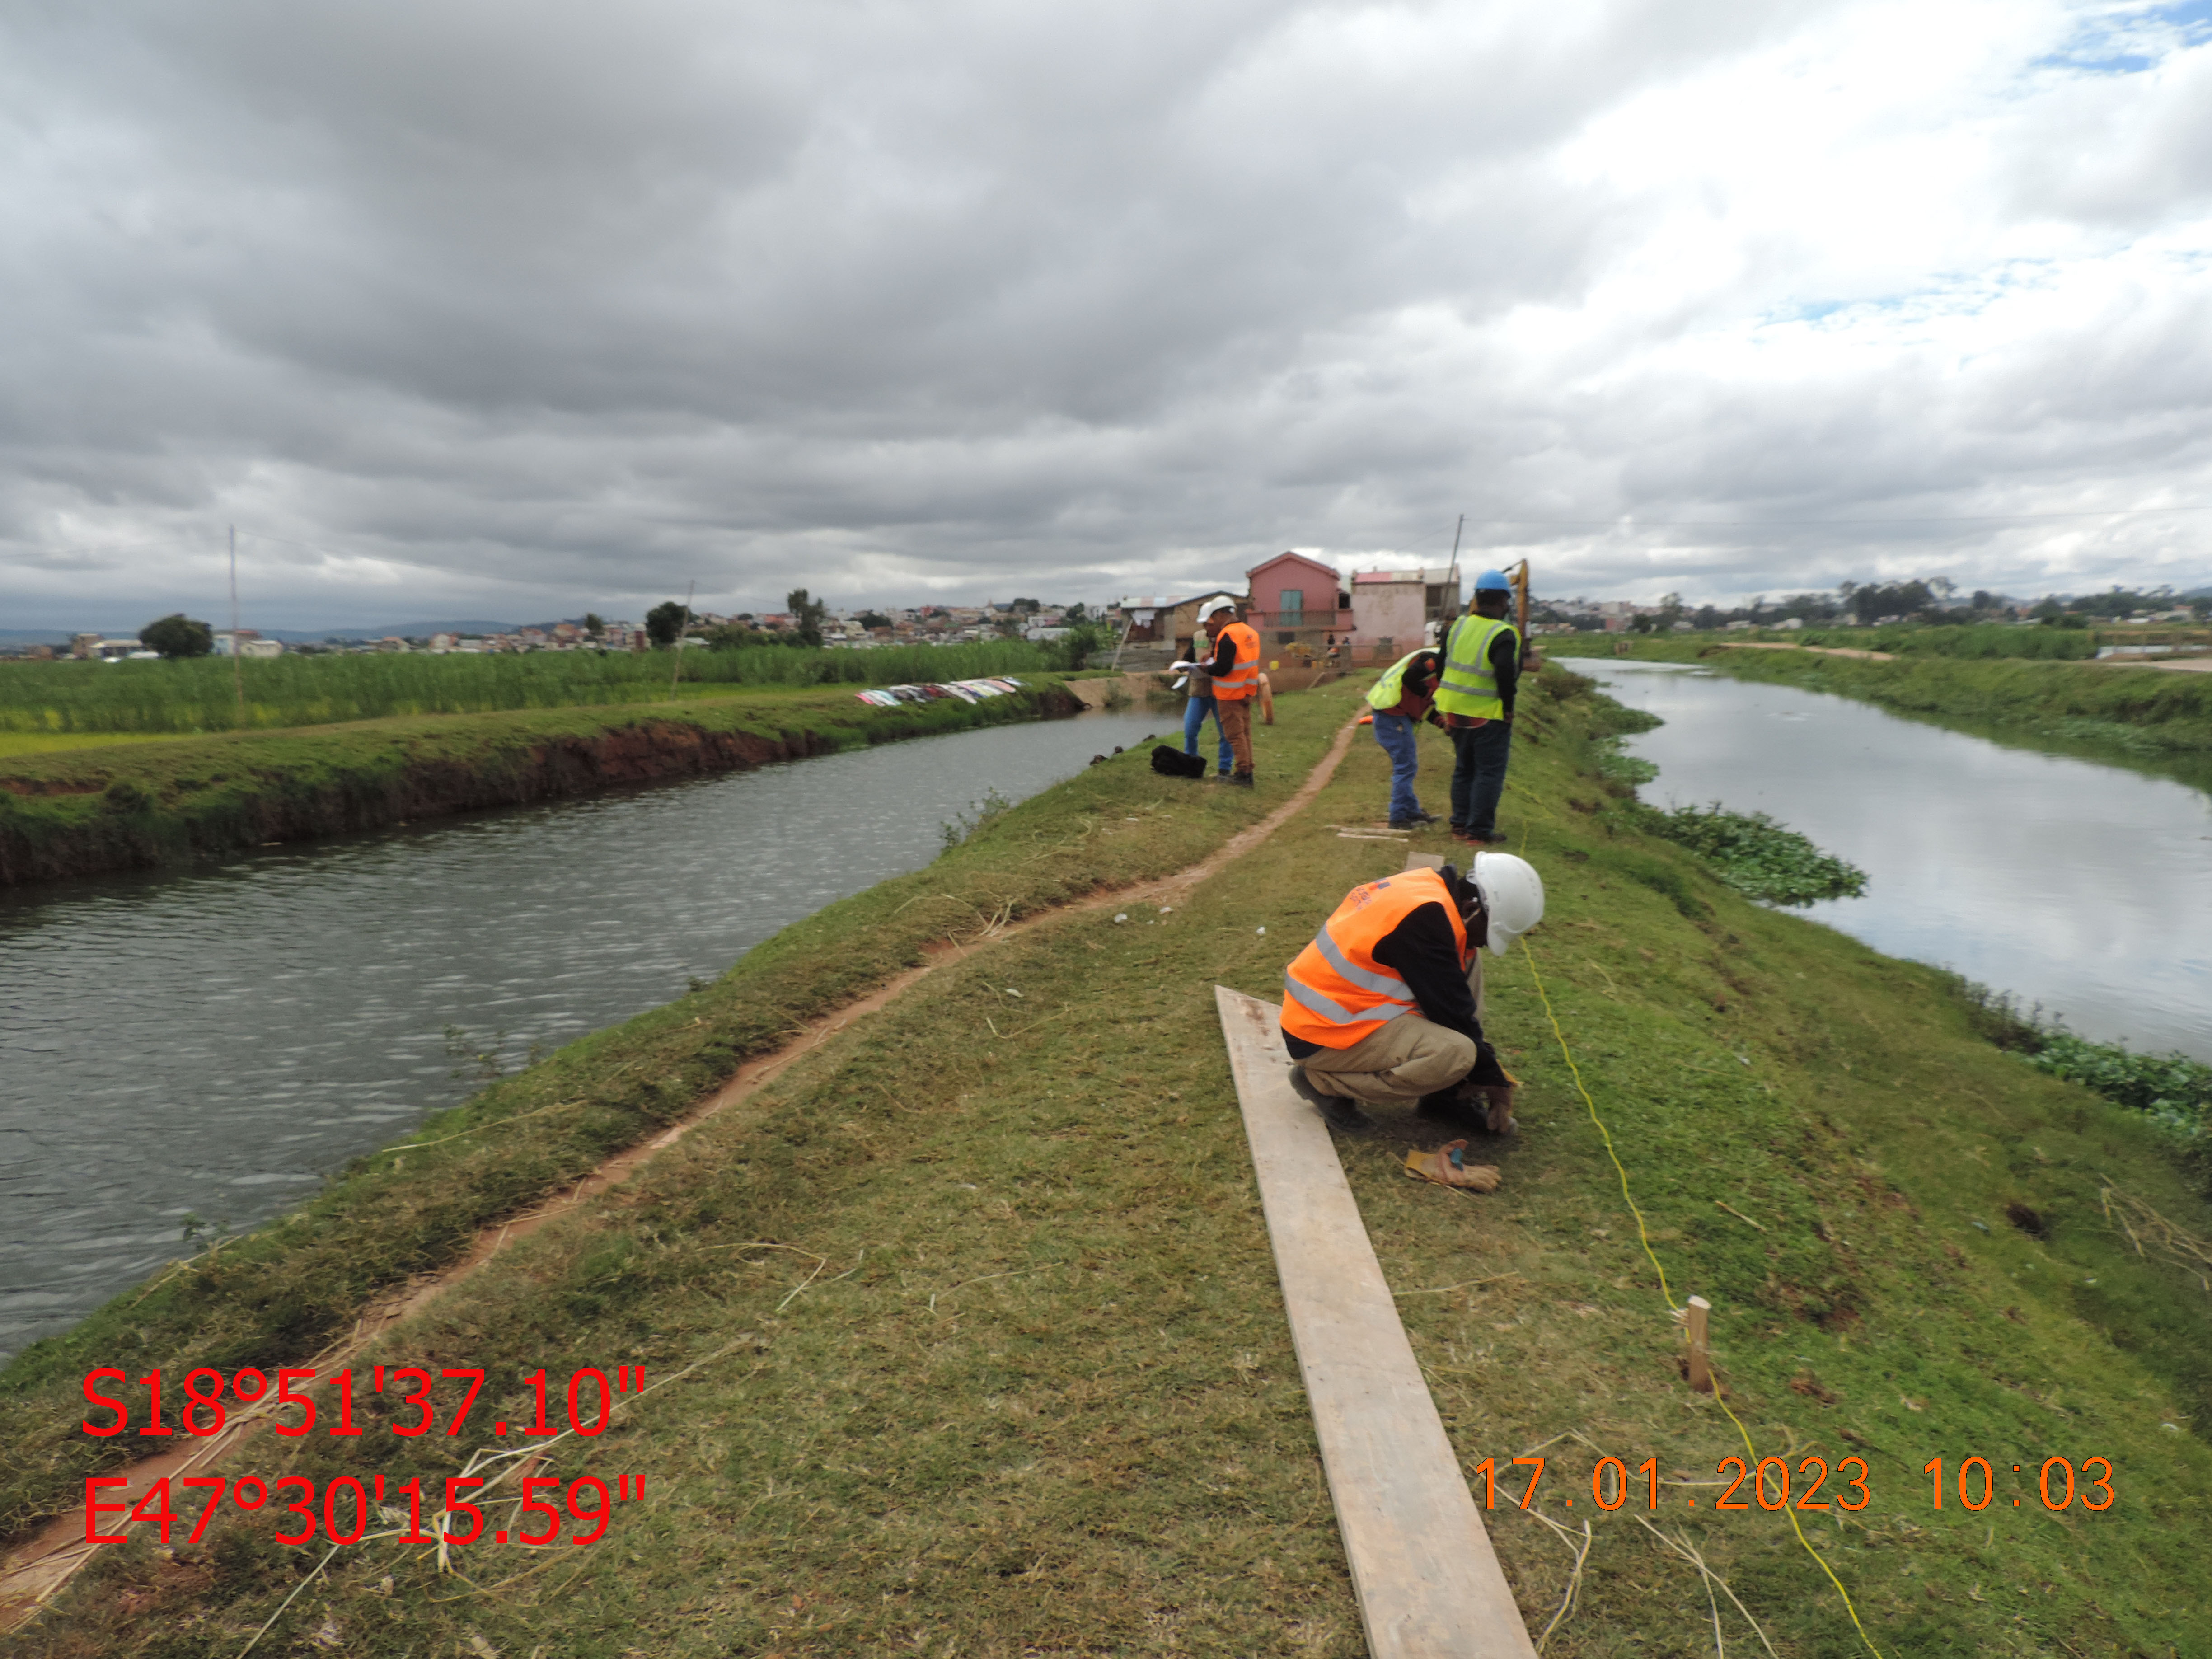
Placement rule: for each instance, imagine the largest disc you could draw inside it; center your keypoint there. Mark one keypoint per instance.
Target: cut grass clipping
(995, 1360)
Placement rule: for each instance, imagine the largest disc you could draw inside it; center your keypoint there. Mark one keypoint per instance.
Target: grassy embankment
(117, 806)
(999, 1364)
(280, 1292)
(2138, 715)
(201, 694)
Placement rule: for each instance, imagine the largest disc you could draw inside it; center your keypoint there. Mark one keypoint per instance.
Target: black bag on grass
(1174, 763)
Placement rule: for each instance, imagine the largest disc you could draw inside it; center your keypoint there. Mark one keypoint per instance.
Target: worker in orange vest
(1384, 1006)
(1236, 673)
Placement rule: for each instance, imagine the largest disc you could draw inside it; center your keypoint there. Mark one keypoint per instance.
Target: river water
(208, 1044)
(2083, 887)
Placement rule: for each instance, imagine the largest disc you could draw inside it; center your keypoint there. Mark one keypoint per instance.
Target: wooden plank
(1428, 1583)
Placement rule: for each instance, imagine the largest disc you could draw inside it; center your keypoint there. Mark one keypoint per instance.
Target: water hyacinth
(1756, 856)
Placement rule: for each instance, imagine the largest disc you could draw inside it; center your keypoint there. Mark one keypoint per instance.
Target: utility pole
(682, 628)
(237, 656)
(1452, 579)
(1451, 582)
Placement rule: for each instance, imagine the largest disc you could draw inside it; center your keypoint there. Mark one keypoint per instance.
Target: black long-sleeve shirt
(1505, 667)
(1224, 655)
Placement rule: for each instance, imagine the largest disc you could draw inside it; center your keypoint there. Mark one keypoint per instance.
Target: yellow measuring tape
(1644, 1236)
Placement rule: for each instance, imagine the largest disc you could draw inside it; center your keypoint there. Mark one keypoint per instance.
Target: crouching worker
(1384, 1005)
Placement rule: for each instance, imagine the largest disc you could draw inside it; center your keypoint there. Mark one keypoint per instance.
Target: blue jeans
(1194, 721)
(1479, 775)
(1396, 733)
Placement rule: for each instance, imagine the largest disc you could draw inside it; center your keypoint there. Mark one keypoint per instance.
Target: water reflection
(209, 1043)
(2086, 888)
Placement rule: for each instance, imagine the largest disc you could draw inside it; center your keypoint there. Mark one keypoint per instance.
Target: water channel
(2083, 887)
(207, 1044)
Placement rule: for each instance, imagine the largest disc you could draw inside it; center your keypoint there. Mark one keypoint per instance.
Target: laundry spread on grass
(891, 696)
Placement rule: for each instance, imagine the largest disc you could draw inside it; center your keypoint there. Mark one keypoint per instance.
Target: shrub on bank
(2171, 1088)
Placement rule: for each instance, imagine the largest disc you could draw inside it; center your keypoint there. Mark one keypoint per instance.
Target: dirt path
(35, 1572)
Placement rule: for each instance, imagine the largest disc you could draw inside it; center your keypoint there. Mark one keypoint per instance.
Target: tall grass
(201, 694)
(1982, 639)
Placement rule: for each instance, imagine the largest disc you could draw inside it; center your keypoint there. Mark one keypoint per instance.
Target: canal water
(206, 1045)
(2083, 887)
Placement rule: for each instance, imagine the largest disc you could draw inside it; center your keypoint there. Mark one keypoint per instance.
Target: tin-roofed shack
(1165, 625)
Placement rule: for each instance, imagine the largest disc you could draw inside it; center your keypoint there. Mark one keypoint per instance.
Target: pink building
(1297, 600)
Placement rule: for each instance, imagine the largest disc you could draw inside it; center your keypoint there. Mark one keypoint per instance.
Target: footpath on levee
(924, 1261)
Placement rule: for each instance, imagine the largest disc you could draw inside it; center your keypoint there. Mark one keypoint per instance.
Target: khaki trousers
(1408, 1058)
(1235, 715)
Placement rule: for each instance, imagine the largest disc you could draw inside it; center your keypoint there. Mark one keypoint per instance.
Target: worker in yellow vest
(1404, 696)
(1482, 673)
(1236, 673)
(1385, 1006)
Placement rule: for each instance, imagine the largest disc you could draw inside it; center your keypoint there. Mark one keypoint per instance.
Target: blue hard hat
(1492, 582)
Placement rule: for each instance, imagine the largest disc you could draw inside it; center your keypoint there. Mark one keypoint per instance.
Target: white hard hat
(1216, 609)
(1512, 892)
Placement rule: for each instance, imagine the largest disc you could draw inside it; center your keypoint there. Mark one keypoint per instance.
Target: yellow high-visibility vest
(1468, 688)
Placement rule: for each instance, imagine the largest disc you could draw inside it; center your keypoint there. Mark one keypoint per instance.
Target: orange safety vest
(1335, 992)
(1244, 680)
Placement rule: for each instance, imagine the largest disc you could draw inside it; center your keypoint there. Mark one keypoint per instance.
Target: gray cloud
(513, 309)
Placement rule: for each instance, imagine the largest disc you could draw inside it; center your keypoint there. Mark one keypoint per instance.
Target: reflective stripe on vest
(1243, 679)
(1391, 686)
(1468, 687)
(1335, 992)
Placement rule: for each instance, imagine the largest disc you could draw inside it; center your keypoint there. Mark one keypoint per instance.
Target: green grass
(16, 744)
(1015, 1379)
(1974, 641)
(201, 694)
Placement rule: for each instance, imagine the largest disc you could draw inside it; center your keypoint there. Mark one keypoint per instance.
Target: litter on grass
(891, 697)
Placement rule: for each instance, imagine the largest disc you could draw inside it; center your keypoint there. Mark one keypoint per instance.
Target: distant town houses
(1304, 608)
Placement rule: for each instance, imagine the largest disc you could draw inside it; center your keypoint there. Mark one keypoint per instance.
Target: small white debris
(2171, 1428)
(1167, 909)
(1012, 992)
(1258, 930)
(1124, 916)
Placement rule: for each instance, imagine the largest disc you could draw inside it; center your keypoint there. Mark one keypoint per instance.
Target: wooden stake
(1701, 1375)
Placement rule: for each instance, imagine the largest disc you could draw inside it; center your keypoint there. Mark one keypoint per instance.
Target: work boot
(1451, 1106)
(1406, 824)
(1241, 780)
(1336, 1111)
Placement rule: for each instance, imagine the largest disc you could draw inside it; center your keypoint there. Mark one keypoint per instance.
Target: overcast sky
(506, 310)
